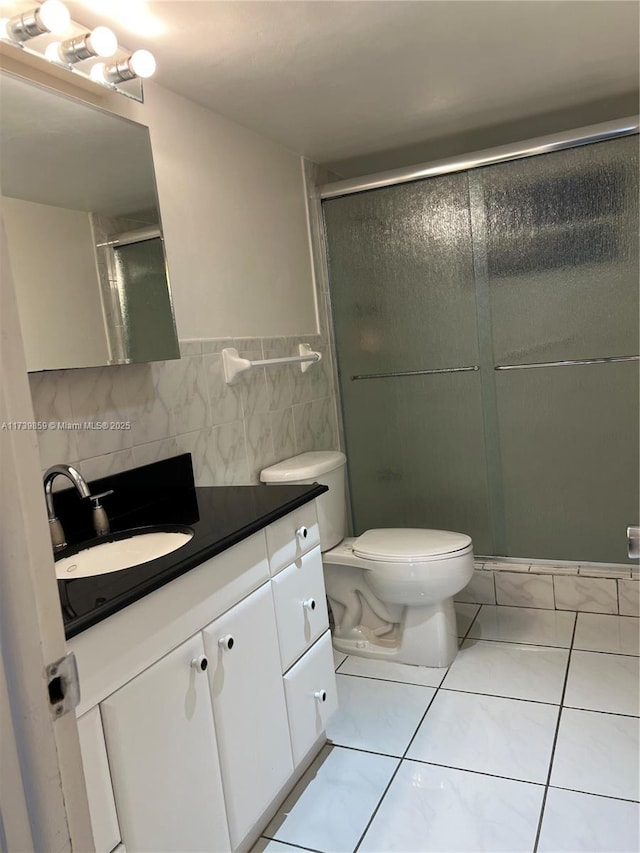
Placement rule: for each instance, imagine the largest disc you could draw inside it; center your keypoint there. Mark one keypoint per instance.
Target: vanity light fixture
(77, 50)
(101, 42)
(52, 16)
(140, 64)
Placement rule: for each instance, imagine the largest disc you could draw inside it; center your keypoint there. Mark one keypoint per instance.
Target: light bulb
(52, 53)
(53, 16)
(139, 64)
(142, 63)
(102, 42)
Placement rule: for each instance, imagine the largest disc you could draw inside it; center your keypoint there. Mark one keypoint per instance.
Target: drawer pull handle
(200, 663)
(309, 604)
(302, 532)
(321, 695)
(226, 643)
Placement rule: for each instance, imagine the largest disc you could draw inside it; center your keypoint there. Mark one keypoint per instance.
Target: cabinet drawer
(301, 606)
(102, 807)
(286, 540)
(310, 688)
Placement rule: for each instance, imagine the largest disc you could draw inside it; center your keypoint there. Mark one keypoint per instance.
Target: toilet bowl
(391, 589)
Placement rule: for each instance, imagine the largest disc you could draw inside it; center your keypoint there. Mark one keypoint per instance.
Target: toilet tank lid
(407, 544)
(303, 467)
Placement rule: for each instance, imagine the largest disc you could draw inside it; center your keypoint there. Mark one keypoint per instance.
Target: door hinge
(63, 685)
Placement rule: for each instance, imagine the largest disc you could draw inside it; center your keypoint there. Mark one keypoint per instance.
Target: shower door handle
(633, 541)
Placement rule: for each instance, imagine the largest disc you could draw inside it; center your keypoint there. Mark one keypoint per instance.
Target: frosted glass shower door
(561, 247)
(485, 324)
(402, 290)
(145, 301)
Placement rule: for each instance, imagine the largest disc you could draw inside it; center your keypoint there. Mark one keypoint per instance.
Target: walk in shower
(487, 334)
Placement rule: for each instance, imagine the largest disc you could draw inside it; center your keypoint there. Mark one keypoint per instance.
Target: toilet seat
(409, 545)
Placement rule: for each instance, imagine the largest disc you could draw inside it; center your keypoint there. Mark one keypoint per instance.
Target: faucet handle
(97, 498)
(100, 518)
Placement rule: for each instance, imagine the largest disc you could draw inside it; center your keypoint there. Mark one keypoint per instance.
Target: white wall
(234, 215)
(52, 257)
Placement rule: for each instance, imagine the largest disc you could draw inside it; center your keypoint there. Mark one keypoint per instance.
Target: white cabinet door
(249, 709)
(161, 744)
(104, 821)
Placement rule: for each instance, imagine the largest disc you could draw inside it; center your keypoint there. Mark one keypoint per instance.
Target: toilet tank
(320, 466)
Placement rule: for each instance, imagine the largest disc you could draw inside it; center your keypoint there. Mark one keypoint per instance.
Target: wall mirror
(79, 204)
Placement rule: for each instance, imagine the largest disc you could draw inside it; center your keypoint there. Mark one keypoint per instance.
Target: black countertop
(163, 494)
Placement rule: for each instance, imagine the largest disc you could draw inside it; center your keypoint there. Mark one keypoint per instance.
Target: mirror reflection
(79, 204)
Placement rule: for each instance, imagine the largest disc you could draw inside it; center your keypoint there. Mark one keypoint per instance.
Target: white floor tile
(266, 845)
(338, 658)
(380, 716)
(524, 625)
(509, 669)
(575, 822)
(504, 737)
(597, 753)
(602, 633)
(331, 805)
(465, 614)
(430, 808)
(603, 682)
(427, 676)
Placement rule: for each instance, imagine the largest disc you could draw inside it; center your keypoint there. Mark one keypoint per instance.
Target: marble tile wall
(185, 405)
(587, 588)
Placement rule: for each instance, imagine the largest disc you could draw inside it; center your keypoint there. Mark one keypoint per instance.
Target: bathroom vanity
(207, 675)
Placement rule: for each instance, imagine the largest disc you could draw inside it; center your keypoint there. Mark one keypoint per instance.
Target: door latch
(63, 685)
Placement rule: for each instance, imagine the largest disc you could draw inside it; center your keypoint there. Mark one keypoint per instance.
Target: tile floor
(528, 742)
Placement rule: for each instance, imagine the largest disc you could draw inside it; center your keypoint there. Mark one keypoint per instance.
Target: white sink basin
(122, 553)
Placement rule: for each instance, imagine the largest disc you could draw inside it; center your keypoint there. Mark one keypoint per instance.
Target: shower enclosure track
(501, 154)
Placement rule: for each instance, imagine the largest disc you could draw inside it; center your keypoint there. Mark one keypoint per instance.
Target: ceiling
(341, 81)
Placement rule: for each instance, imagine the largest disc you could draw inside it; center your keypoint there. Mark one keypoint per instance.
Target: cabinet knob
(200, 663)
(309, 604)
(226, 643)
(302, 532)
(321, 695)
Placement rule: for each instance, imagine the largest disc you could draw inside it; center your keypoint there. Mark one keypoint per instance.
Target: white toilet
(391, 590)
